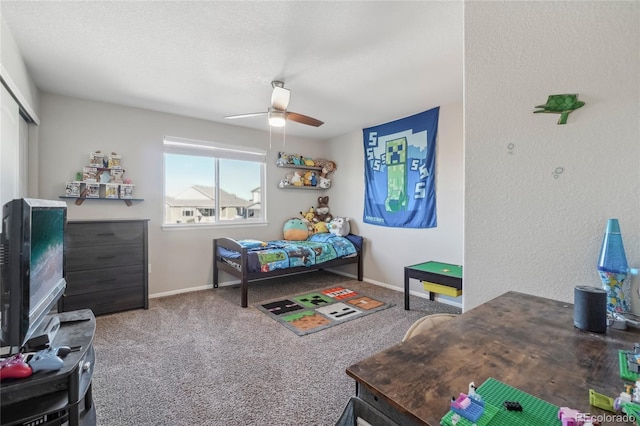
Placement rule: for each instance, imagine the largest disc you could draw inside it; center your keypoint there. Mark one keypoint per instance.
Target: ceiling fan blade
(304, 119)
(251, 114)
(280, 98)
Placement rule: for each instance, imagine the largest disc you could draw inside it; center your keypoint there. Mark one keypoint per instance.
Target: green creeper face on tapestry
(396, 161)
(561, 104)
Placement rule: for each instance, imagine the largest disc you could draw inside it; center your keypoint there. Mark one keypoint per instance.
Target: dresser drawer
(93, 234)
(99, 257)
(103, 302)
(81, 282)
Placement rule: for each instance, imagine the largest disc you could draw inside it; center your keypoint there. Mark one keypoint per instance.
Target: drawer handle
(106, 234)
(106, 280)
(104, 257)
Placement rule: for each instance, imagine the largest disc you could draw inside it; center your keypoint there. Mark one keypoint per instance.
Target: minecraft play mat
(320, 309)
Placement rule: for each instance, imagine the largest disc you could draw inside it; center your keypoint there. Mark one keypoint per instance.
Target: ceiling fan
(277, 113)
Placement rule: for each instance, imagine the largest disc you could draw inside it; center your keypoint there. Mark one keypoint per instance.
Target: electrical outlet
(149, 268)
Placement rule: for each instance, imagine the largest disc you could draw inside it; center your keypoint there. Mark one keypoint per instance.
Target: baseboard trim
(344, 274)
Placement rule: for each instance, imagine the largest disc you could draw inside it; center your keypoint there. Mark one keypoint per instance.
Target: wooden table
(527, 342)
(444, 274)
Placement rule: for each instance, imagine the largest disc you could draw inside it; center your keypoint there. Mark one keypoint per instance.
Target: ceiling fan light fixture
(277, 118)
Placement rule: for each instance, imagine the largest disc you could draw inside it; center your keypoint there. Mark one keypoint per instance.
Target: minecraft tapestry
(399, 172)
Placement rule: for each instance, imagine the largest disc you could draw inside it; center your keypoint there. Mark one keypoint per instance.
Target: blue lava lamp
(613, 269)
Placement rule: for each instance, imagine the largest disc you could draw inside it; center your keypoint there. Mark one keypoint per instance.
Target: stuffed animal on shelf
(309, 178)
(324, 182)
(322, 210)
(339, 226)
(329, 167)
(296, 178)
(320, 162)
(283, 159)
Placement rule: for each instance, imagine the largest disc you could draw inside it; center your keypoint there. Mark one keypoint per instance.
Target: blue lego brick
(473, 412)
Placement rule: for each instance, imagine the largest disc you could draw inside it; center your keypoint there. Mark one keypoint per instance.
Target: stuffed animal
(320, 228)
(329, 167)
(286, 181)
(295, 229)
(324, 182)
(282, 160)
(339, 226)
(296, 179)
(309, 215)
(309, 178)
(309, 162)
(322, 210)
(320, 162)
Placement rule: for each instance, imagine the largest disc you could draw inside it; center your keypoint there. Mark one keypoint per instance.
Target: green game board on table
(535, 412)
(440, 268)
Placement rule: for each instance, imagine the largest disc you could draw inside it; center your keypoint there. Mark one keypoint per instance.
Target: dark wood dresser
(106, 265)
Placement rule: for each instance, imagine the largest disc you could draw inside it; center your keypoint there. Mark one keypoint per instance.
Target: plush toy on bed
(309, 215)
(320, 228)
(295, 229)
(322, 210)
(339, 226)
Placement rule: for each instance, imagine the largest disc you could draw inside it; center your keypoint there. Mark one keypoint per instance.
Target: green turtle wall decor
(561, 104)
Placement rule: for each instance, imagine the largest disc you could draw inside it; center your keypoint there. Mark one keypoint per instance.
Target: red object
(14, 368)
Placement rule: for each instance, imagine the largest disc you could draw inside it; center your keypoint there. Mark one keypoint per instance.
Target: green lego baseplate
(535, 412)
(624, 368)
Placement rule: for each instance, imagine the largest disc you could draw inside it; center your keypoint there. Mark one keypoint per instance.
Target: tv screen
(33, 277)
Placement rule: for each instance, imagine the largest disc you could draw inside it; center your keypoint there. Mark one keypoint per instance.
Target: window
(210, 183)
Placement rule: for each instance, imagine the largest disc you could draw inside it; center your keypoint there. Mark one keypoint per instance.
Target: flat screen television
(31, 267)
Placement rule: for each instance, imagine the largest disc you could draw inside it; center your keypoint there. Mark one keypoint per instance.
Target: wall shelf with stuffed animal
(291, 166)
(308, 173)
(313, 188)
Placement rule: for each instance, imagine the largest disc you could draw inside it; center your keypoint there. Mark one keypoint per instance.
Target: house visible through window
(208, 183)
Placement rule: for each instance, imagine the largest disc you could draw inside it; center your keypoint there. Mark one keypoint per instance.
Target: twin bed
(252, 260)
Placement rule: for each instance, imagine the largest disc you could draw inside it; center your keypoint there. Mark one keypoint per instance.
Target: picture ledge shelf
(317, 188)
(80, 200)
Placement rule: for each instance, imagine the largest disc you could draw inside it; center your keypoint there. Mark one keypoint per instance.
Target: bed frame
(246, 276)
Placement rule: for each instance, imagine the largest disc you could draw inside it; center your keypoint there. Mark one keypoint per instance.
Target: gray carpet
(199, 358)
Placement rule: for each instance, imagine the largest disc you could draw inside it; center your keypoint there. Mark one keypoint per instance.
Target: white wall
(14, 72)
(19, 93)
(9, 147)
(72, 128)
(389, 250)
(525, 229)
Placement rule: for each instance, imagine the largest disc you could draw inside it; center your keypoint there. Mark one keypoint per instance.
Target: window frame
(216, 151)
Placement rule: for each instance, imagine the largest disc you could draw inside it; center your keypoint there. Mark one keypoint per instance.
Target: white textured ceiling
(350, 64)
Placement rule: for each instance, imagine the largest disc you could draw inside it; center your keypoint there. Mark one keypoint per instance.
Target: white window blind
(173, 145)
